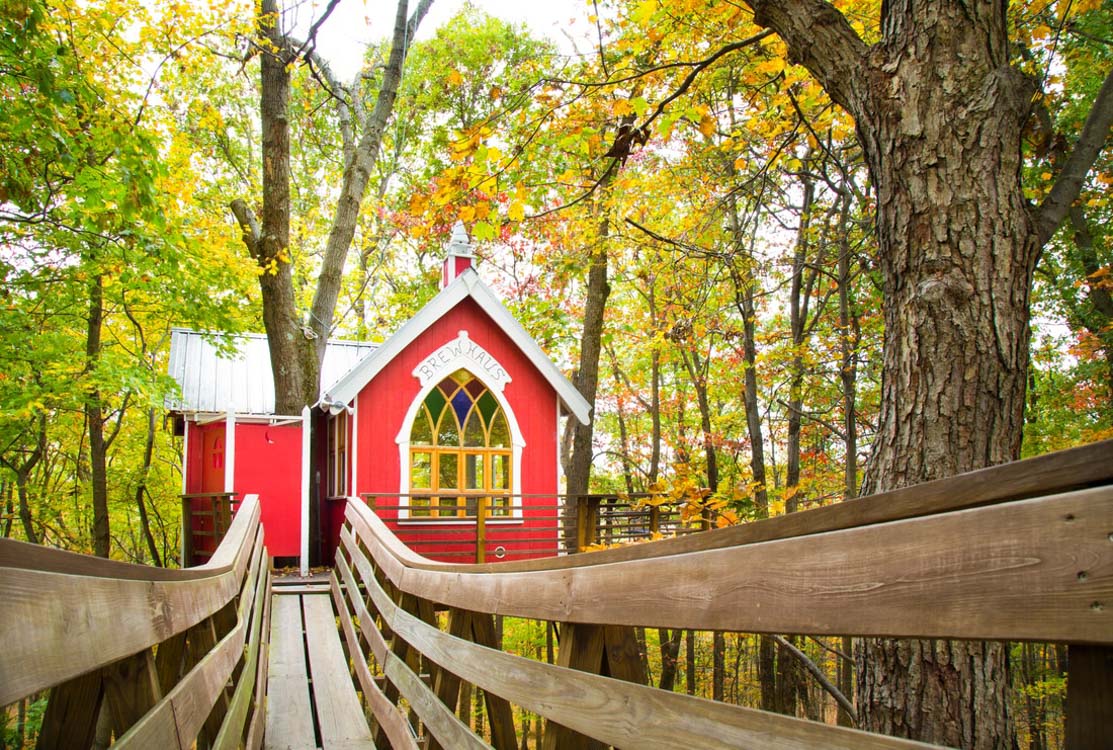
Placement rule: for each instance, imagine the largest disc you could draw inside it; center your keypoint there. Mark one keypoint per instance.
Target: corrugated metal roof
(242, 382)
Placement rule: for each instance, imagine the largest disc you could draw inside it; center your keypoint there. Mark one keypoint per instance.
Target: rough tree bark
(297, 345)
(939, 113)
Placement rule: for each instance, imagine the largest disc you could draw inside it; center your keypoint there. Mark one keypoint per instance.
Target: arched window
(460, 451)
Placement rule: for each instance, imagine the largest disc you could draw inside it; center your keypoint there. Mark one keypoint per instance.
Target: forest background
(686, 224)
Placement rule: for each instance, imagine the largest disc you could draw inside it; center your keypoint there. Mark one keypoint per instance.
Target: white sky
(356, 23)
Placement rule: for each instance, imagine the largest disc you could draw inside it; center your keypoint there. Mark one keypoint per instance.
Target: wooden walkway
(311, 699)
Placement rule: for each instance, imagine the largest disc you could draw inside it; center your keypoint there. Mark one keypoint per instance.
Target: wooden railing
(206, 518)
(492, 528)
(157, 658)
(1017, 552)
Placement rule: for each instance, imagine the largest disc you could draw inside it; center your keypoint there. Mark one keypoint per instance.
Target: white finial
(459, 244)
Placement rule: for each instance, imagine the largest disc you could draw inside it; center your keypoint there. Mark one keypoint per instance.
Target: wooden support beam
(71, 713)
(503, 736)
(1089, 696)
(131, 687)
(581, 647)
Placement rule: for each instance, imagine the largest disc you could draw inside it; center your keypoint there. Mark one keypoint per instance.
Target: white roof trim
(467, 284)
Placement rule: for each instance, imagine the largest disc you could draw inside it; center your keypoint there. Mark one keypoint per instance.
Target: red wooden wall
(267, 463)
(382, 406)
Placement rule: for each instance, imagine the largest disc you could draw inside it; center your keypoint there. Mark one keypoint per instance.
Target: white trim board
(467, 284)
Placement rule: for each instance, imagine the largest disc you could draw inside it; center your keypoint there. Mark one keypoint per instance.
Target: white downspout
(304, 564)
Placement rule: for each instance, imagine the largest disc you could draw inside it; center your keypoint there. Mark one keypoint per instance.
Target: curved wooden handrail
(104, 602)
(1005, 571)
(1020, 552)
(618, 713)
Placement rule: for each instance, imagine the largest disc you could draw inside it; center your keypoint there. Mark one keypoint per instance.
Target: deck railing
(1017, 552)
(481, 527)
(151, 657)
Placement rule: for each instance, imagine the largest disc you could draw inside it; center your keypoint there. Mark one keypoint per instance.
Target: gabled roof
(467, 284)
(243, 382)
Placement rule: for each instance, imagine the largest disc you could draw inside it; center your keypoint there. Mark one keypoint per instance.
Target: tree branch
(1069, 182)
(821, 678)
(249, 225)
(821, 39)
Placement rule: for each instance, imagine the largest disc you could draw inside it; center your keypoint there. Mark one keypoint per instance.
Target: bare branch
(249, 225)
(1069, 182)
(701, 66)
(821, 678)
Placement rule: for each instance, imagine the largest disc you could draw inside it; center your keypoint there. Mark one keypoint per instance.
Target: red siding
(383, 404)
(268, 463)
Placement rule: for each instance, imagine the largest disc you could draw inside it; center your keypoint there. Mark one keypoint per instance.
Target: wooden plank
(615, 712)
(299, 590)
(625, 660)
(1007, 571)
(71, 713)
(289, 711)
(438, 718)
(123, 615)
(581, 648)
(169, 659)
(339, 714)
(179, 717)
(131, 687)
(394, 724)
(1053, 473)
(1089, 697)
(257, 725)
(232, 730)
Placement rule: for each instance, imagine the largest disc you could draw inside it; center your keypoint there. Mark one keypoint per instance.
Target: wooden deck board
(289, 711)
(339, 713)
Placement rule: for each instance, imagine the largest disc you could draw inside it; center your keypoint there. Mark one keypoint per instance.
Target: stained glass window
(459, 451)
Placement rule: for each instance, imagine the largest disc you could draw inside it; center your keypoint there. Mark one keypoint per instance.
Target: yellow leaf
(622, 107)
(517, 211)
(454, 78)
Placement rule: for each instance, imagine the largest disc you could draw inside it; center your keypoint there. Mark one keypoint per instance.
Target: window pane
(500, 506)
(461, 403)
(435, 402)
(422, 433)
(421, 474)
(449, 476)
(488, 406)
(500, 471)
(419, 506)
(473, 471)
(447, 432)
(500, 433)
(473, 431)
(447, 506)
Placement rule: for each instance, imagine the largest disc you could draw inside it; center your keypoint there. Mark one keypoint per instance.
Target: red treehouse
(449, 429)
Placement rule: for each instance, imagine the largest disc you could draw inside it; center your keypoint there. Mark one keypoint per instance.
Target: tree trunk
(939, 113)
(141, 488)
(94, 421)
(587, 376)
(690, 662)
(297, 348)
(670, 656)
(271, 249)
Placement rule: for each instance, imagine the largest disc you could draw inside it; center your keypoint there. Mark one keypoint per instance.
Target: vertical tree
(940, 113)
(297, 340)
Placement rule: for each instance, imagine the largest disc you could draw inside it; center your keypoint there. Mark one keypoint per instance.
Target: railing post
(187, 533)
(1089, 692)
(587, 519)
(481, 529)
